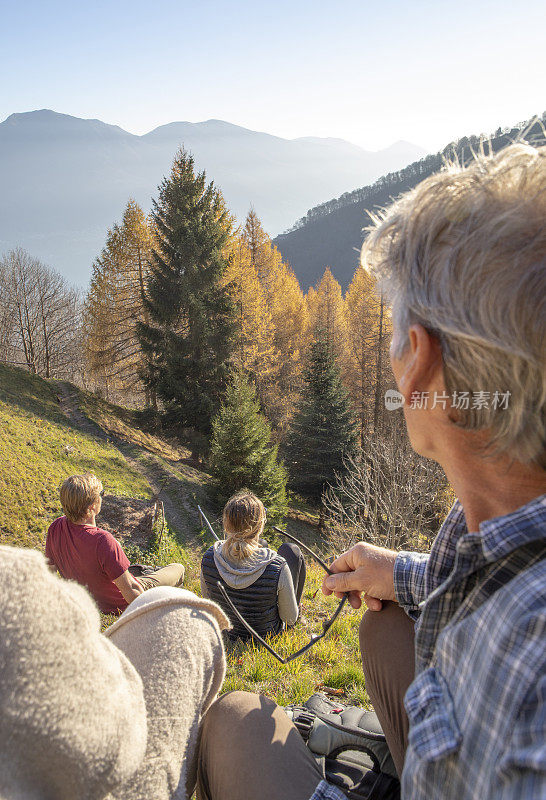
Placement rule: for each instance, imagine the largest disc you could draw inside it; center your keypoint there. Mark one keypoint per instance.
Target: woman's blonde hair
(77, 493)
(243, 522)
(464, 254)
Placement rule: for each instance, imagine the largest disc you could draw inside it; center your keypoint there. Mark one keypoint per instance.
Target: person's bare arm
(128, 586)
(363, 570)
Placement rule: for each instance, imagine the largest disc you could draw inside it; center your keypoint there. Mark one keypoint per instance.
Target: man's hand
(364, 569)
(128, 586)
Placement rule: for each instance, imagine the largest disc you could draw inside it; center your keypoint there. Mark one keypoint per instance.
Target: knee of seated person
(227, 710)
(376, 628)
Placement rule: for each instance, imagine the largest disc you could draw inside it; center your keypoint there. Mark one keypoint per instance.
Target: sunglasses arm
(207, 523)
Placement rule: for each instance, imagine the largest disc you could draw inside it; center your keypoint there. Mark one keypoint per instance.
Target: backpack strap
(352, 758)
(304, 720)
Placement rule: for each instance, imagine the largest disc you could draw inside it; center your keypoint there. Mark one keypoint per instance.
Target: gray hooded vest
(257, 602)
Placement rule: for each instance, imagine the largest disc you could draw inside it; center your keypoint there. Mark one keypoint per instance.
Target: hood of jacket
(242, 574)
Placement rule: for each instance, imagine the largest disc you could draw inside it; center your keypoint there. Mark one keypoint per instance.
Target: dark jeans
(293, 557)
(250, 750)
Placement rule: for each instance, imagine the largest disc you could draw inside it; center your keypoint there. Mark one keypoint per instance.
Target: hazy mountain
(331, 234)
(65, 180)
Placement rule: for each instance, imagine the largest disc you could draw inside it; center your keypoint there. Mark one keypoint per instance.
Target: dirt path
(178, 495)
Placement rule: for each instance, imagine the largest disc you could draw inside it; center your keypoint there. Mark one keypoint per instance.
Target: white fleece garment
(173, 639)
(72, 711)
(77, 722)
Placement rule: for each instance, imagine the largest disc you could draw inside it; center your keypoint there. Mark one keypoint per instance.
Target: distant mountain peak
(66, 180)
(44, 119)
(402, 144)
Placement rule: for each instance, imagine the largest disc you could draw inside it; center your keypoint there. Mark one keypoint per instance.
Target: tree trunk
(322, 517)
(379, 370)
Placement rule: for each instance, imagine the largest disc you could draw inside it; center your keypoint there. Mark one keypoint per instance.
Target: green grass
(334, 662)
(38, 450)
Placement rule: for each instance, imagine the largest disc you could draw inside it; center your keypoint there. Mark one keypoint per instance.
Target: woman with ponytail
(264, 585)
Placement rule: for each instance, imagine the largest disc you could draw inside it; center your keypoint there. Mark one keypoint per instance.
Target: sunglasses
(326, 625)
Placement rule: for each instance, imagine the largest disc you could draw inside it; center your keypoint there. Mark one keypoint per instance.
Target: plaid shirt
(477, 707)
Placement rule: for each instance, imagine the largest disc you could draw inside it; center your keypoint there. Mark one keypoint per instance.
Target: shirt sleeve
(326, 791)
(409, 581)
(49, 553)
(111, 556)
(286, 599)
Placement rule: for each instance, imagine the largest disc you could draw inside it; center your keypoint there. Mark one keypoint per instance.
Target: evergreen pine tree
(188, 337)
(242, 454)
(323, 430)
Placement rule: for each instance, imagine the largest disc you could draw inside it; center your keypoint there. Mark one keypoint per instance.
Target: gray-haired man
(455, 662)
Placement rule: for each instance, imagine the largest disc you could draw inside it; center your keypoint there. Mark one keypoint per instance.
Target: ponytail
(243, 521)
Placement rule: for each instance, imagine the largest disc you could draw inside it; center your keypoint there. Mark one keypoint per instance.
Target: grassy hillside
(39, 448)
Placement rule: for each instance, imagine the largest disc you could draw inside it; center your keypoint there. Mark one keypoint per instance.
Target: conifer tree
(188, 340)
(323, 430)
(326, 314)
(288, 312)
(242, 453)
(114, 306)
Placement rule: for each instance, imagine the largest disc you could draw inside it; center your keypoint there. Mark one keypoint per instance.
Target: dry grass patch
(124, 423)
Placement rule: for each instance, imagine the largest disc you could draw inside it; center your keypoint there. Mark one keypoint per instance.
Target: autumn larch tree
(326, 313)
(288, 313)
(115, 305)
(189, 338)
(254, 350)
(365, 368)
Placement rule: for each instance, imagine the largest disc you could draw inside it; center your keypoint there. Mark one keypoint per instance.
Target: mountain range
(65, 180)
(331, 234)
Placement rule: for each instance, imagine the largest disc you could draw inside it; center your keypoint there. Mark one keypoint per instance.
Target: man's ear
(423, 360)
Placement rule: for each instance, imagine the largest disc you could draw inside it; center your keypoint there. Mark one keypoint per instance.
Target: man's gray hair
(464, 254)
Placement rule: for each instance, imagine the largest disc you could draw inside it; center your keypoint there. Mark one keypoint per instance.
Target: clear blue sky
(367, 72)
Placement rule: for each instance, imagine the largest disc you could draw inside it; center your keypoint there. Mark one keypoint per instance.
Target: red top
(92, 557)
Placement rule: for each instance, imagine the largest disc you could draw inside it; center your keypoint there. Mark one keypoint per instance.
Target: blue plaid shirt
(477, 706)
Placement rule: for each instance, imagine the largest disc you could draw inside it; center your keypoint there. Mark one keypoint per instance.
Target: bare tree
(389, 496)
(60, 326)
(9, 352)
(39, 318)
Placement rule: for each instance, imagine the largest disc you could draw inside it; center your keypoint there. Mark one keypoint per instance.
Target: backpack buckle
(304, 722)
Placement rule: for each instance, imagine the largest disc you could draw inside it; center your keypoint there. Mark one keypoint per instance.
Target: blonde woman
(264, 585)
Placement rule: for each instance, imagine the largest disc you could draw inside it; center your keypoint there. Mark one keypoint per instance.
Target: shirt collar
(499, 536)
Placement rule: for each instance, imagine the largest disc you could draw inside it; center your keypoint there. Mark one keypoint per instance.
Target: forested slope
(331, 234)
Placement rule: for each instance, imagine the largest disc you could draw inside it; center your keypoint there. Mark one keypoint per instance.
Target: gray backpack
(349, 747)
